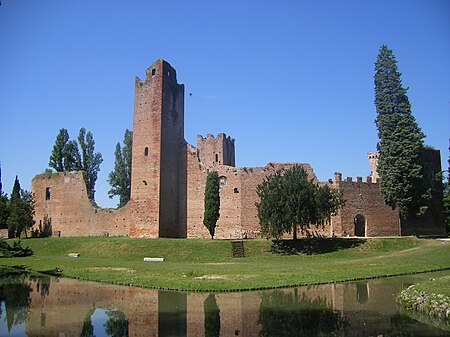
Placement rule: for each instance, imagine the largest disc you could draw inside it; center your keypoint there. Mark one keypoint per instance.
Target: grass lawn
(207, 264)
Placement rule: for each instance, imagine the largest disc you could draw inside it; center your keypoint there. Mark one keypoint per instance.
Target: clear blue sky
(289, 80)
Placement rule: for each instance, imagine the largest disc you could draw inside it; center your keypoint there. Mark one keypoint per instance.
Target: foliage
(16, 298)
(446, 198)
(16, 250)
(59, 157)
(90, 161)
(120, 177)
(117, 323)
(400, 141)
(20, 211)
(288, 200)
(66, 157)
(287, 314)
(212, 316)
(4, 213)
(212, 202)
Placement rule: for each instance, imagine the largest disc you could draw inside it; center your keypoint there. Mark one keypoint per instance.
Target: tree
(120, 177)
(66, 157)
(400, 141)
(89, 161)
(446, 198)
(212, 202)
(289, 200)
(4, 214)
(58, 156)
(212, 316)
(21, 211)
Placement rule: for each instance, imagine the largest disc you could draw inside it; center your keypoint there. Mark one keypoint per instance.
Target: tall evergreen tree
(212, 316)
(4, 214)
(21, 210)
(120, 177)
(89, 161)
(400, 141)
(212, 202)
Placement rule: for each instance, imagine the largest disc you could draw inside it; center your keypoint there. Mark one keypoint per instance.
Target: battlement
(339, 181)
(214, 151)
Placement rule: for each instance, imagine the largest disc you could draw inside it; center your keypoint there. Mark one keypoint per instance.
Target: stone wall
(63, 198)
(363, 199)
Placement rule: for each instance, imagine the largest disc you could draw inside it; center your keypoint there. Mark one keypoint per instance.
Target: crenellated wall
(168, 182)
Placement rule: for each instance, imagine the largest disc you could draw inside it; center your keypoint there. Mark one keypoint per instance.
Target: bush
(16, 250)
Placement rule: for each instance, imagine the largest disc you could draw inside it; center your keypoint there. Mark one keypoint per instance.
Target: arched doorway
(360, 225)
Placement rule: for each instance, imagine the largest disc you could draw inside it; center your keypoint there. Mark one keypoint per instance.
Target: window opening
(146, 151)
(236, 190)
(145, 182)
(217, 157)
(153, 72)
(222, 181)
(48, 193)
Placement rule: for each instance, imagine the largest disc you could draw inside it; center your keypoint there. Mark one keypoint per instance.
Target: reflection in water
(63, 307)
(288, 314)
(15, 298)
(212, 316)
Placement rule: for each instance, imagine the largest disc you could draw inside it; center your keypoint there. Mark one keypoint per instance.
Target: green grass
(440, 285)
(207, 264)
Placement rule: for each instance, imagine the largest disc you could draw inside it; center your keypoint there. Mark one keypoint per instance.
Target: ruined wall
(63, 197)
(363, 198)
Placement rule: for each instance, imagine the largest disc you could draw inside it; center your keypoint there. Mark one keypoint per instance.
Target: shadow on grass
(311, 246)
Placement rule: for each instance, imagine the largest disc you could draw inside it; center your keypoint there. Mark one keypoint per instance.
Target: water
(44, 306)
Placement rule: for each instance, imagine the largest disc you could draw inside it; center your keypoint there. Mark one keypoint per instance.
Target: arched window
(360, 225)
(222, 180)
(153, 72)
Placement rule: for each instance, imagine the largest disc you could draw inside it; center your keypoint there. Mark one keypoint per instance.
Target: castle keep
(168, 182)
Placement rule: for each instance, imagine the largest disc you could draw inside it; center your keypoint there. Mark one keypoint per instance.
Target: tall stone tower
(373, 163)
(216, 151)
(158, 173)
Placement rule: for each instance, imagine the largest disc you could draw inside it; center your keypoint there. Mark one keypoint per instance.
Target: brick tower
(158, 166)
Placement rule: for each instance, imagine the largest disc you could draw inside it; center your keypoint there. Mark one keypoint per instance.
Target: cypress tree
(212, 202)
(4, 214)
(21, 210)
(400, 141)
(120, 177)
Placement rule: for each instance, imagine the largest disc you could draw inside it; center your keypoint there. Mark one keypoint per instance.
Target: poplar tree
(120, 177)
(400, 143)
(66, 157)
(212, 202)
(88, 161)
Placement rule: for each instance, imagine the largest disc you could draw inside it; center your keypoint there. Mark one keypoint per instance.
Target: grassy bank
(429, 301)
(207, 264)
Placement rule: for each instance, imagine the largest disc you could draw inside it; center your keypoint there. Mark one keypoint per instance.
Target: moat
(49, 306)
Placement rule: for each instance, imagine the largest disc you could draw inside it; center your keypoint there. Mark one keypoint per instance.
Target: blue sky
(289, 80)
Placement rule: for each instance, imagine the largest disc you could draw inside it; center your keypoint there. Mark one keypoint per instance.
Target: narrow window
(217, 157)
(153, 72)
(48, 193)
(146, 151)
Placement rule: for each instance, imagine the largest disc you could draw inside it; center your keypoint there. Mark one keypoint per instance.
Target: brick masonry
(168, 181)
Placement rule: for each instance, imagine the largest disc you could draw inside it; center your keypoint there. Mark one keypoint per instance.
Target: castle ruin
(168, 181)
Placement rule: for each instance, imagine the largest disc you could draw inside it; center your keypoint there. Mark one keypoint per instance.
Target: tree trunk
(295, 232)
